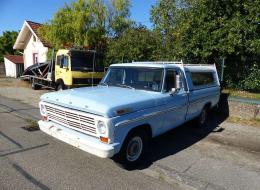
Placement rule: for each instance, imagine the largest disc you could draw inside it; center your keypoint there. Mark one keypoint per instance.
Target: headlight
(101, 127)
(43, 109)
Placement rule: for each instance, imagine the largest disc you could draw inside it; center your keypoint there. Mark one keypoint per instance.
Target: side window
(65, 61)
(58, 60)
(169, 82)
(202, 78)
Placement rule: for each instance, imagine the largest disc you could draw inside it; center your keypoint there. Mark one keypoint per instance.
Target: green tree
(87, 23)
(118, 20)
(204, 30)
(208, 29)
(136, 43)
(81, 23)
(7, 41)
(163, 16)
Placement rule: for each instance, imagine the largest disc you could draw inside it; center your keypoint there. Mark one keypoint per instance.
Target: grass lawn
(250, 122)
(242, 94)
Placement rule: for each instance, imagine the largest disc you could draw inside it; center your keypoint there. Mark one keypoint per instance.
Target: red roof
(17, 59)
(35, 26)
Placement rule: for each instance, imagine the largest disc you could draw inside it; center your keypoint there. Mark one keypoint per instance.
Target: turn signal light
(45, 118)
(104, 139)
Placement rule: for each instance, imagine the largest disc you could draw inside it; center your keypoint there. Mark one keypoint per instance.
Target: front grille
(73, 119)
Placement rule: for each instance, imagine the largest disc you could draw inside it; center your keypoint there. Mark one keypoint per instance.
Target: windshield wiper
(125, 86)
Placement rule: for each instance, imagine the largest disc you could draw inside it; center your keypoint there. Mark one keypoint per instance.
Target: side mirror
(178, 81)
(173, 91)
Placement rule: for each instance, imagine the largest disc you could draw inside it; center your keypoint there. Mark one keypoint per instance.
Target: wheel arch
(145, 126)
(59, 82)
(207, 105)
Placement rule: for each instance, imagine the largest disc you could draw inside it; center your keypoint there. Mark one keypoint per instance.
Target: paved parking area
(222, 156)
(33, 160)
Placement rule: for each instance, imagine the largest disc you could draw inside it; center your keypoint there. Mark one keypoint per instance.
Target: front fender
(124, 124)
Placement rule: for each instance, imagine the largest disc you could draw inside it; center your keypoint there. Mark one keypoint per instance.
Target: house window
(35, 58)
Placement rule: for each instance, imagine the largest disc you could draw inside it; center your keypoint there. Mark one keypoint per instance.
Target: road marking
(30, 177)
(24, 150)
(11, 140)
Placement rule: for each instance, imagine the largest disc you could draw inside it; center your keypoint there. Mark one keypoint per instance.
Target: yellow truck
(71, 68)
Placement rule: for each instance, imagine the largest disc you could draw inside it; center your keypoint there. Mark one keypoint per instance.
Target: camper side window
(202, 78)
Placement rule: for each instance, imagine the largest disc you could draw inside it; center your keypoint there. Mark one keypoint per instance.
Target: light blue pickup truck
(133, 103)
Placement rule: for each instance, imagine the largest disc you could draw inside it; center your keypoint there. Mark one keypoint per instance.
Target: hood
(105, 101)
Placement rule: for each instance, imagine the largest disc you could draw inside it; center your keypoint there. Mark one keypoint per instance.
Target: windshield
(137, 78)
(83, 61)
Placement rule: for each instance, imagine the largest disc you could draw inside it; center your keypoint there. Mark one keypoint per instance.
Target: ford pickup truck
(133, 103)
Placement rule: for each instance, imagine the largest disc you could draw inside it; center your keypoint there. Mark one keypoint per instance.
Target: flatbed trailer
(44, 75)
(40, 75)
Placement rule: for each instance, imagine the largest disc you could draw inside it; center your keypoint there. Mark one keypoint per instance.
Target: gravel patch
(20, 90)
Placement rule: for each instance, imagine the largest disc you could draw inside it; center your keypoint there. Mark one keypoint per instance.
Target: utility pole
(222, 69)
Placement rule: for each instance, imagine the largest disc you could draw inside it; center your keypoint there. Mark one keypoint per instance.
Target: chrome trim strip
(125, 122)
(201, 98)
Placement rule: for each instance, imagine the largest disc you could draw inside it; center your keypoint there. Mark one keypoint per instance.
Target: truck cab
(133, 103)
(74, 68)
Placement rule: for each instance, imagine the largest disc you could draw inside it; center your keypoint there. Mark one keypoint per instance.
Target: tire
(60, 86)
(133, 151)
(201, 120)
(35, 86)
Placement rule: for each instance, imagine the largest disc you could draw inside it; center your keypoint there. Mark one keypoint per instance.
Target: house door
(35, 58)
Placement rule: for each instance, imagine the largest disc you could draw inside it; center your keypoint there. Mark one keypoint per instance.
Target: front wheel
(133, 150)
(60, 86)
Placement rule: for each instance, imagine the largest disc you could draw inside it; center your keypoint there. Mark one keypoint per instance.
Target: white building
(34, 48)
(14, 65)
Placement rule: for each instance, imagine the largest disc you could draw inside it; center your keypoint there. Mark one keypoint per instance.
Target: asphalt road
(222, 156)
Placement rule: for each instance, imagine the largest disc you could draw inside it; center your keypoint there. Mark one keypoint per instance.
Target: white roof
(168, 64)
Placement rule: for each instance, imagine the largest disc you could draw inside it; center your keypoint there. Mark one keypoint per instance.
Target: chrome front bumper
(77, 139)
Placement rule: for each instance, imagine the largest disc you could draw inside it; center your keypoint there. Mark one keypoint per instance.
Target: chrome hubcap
(134, 149)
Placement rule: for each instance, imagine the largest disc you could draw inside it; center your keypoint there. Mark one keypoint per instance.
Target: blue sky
(14, 12)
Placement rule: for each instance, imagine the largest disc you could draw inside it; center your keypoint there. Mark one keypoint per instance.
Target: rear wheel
(35, 86)
(134, 150)
(201, 120)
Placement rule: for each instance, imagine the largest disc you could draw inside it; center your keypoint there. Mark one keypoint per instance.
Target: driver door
(175, 103)
(62, 68)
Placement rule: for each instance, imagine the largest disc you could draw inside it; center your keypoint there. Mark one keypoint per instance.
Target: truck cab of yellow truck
(75, 68)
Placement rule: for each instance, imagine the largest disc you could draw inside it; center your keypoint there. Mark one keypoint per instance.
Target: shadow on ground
(186, 135)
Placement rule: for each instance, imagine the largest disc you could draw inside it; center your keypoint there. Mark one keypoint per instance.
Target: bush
(252, 81)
